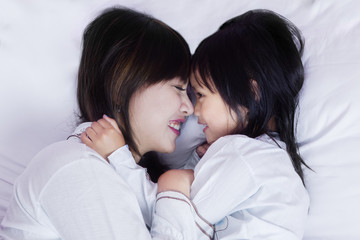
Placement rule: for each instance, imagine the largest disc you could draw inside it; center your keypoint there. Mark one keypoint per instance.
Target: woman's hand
(104, 136)
(178, 180)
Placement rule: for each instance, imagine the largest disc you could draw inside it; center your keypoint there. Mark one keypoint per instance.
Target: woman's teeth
(174, 124)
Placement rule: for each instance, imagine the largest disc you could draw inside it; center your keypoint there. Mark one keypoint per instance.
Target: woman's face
(157, 113)
(212, 112)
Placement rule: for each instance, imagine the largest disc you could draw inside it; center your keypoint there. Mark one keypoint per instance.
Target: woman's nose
(187, 106)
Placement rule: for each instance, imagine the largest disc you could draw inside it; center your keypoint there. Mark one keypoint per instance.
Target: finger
(90, 133)
(206, 146)
(112, 122)
(97, 127)
(85, 139)
(104, 123)
(200, 150)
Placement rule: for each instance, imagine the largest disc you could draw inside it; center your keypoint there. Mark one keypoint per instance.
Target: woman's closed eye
(180, 88)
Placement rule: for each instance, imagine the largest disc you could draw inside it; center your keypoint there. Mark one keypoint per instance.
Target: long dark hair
(263, 47)
(123, 51)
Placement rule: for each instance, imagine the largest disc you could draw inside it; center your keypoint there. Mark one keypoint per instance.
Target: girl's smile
(212, 112)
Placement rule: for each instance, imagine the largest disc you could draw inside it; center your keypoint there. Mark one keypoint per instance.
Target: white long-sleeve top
(246, 187)
(68, 191)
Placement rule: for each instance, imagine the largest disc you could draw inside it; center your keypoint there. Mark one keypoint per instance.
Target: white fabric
(247, 187)
(70, 192)
(145, 191)
(253, 183)
(40, 43)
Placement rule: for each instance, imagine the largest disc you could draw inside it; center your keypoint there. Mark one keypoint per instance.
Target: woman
(134, 69)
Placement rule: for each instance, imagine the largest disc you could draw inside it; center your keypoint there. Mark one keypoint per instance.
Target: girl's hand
(178, 180)
(201, 150)
(104, 136)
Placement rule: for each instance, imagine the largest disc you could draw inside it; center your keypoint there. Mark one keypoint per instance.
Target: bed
(40, 43)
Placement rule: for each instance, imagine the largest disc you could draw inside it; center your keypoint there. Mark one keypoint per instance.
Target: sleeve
(222, 182)
(171, 214)
(86, 199)
(176, 216)
(192, 161)
(137, 178)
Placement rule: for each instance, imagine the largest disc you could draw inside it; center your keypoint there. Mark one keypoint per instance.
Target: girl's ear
(255, 89)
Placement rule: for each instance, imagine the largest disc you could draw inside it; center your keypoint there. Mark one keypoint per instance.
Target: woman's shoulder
(63, 153)
(54, 159)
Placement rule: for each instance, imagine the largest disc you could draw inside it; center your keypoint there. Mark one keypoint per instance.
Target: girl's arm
(178, 180)
(104, 136)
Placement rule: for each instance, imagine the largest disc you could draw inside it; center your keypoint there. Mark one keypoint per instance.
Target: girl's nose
(197, 109)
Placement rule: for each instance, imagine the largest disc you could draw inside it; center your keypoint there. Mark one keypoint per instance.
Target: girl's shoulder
(263, 152)
(243, 144)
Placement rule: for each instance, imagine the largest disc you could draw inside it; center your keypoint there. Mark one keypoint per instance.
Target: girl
(247, 77)
(134, 68)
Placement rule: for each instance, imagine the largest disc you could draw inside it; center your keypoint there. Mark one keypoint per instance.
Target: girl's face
(212, 112)
(157, 113)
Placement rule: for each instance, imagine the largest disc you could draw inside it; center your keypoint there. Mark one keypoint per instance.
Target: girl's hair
(254, 61)
(123, 51)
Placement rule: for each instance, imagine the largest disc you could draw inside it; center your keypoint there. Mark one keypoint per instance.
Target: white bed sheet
(40, 43)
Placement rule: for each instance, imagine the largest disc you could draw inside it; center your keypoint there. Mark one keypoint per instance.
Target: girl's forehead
(196, 79)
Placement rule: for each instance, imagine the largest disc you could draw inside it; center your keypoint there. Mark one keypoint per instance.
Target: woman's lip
(175, 131)
(182, 120)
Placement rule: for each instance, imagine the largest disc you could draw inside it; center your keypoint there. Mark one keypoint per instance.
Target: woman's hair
(123, 51)
(254, 61)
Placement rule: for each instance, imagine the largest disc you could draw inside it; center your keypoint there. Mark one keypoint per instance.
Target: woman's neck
(136, 156)
(272, 124)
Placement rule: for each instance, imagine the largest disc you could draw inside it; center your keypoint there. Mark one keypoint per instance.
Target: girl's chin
(211, 139)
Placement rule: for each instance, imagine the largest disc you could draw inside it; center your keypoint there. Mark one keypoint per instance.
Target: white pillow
(40, 50)
(328, 128)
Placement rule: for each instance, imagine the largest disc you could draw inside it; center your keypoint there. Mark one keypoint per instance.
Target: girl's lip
(205, 128)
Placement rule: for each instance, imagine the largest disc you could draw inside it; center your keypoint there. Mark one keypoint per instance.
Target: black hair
(254, 61)
(123, 51)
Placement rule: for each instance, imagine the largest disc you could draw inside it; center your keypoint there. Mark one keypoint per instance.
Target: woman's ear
(255, 89)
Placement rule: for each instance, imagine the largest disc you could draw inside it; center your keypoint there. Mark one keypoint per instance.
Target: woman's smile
(175, 125)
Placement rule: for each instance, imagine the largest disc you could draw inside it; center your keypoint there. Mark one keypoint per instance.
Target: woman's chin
(170, 148)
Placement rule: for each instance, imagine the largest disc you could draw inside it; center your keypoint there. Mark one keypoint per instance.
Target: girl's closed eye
(199, 95)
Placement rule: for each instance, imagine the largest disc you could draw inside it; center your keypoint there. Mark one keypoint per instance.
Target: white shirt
(247, 187)
(68, 191)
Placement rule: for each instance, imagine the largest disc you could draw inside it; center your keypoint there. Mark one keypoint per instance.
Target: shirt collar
(80, 129)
